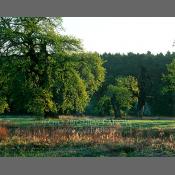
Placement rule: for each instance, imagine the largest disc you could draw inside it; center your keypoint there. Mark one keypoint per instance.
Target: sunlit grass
(85, 122)
(29, 136)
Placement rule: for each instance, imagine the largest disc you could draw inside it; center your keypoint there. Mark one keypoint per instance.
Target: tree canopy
(131, 64)
(168, 88)
(43, 71)
(120, 96)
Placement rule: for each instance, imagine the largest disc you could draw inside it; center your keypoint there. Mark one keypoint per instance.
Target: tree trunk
(141, 111)
(116, 108)
(144, 84)
(140, 106)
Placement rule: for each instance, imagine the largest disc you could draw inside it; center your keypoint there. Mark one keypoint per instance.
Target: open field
(86, 137)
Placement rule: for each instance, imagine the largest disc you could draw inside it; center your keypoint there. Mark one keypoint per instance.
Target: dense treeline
(43, 72)
(148, 69)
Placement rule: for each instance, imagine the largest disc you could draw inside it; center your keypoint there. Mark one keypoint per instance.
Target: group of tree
(42, 71)
(154, 77)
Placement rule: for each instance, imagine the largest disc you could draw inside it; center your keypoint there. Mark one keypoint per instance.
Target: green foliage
(70, 94)
(130, 83)
(168, 87)
(40, 102)
(129, 64)
(169, 78)
(3, 104)
(90, 66)
(104, 106)
(78, 76)
(124, 91)
(43, 71)
(120, 97)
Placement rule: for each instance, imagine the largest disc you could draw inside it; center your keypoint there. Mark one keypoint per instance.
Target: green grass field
(85, 137)
(142, 124)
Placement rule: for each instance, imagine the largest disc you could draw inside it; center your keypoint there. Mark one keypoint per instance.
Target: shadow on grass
(65, 150)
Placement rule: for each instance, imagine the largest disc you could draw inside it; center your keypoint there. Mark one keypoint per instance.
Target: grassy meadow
(45, 72)
(85, 137)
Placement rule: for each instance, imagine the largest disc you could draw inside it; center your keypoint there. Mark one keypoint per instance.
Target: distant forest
(154, 66)
(45, 73)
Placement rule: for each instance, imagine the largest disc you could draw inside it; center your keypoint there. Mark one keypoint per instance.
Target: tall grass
(109, 139)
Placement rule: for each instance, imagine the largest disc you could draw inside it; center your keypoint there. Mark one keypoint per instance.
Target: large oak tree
(43, 71)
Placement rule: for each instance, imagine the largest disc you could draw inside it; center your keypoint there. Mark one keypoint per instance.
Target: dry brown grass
(137, 140)
(67, 134)
(3, 133)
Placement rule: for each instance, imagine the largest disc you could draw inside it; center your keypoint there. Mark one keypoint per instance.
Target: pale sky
(123, 34)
